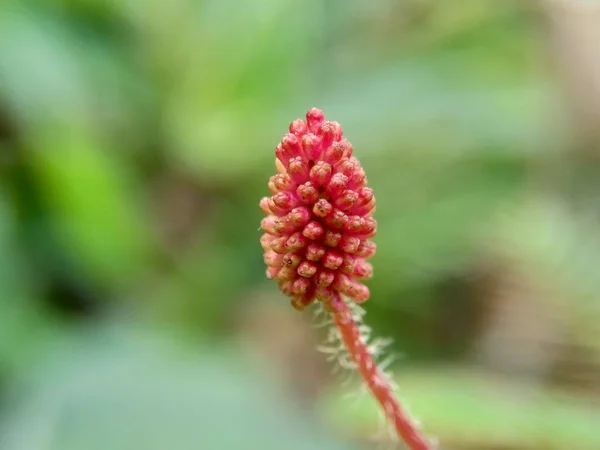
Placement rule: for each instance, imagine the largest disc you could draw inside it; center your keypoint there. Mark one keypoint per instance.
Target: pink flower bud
(314, 230)
(318, 220)
(324, 278)
(292, 260)
(322, 208)
(307, 269)
(311, 145)
(349, 244)
(278, 244)
(332, 260)
(314, 252)
(307, 192)
(337, 184)
(336, 220)
(334, 153)
(285, 200)
(301, 285)
(346, 200)
(264, 205)
(320, 174)
(298, 127)
(314, 119)
(296, 242)
(298, 169)
(363, 270)
(332, 238)
(366, 249)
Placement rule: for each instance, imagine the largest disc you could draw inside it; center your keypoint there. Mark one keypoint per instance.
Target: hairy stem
(376, 380)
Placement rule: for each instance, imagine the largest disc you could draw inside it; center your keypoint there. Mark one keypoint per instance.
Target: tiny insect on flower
(318, 222)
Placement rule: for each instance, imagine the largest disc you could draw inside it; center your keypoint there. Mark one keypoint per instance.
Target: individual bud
(286, 273)
(291, 144)
(272, 259)
(285, 200)
(311, 145)
(365, 195)
(284, 225)
(267, 224)
(348, 264)
(322, 208)
(347, 146)
(264, 205)
(298, 169)
(278, 245)
(364, 210)
(292, 260)
(298, 127)
(324, 278)
(283, 182)
(349, 244)
(336, 219)
(366, 249)
(301, 285)
(320, 174)
(369, 228)
(315, 252)
(337, 184)
(343, 283)
(299, 216)
(347, 166)
(346, 200)
(334, 153)
(298, 304)
(358, 179)
(354, 224)
(277, 210)
(338, 131)
(327, 132)
(265, 241)
(314, 230)
(332, 238)
(307, 192)
(286, 286)
(361, 293)
(326, 294)
(363, 270)
(301, 303)
(332, 260)
(314, 119)
(306, 269)
(296, 242)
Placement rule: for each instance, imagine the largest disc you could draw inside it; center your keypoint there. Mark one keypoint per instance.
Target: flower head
(318, 221)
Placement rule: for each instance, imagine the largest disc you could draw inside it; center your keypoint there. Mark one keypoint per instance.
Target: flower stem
(376, 381)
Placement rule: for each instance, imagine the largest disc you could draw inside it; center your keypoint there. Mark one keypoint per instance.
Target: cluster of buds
(319, 218)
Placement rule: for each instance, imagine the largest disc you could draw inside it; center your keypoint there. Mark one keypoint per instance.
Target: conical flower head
(318, 220)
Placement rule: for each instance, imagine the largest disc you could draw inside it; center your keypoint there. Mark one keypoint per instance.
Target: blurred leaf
(25, 329)
(478, 410)
(122, 392)
(93, 204)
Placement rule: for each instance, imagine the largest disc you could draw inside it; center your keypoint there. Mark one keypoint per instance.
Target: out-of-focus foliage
(128, 392)
(137, 137)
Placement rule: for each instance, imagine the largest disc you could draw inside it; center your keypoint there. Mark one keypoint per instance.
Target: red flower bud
(318, 220)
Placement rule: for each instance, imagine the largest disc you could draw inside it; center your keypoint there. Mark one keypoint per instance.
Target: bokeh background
(136, 138)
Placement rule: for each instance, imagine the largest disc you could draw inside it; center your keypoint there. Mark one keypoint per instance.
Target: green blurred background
(136, 138)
